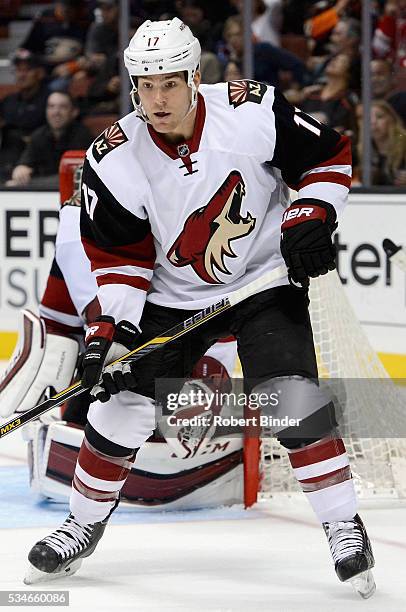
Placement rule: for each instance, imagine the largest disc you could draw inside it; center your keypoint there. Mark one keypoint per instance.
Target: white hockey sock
(97, 482)
(324, 473)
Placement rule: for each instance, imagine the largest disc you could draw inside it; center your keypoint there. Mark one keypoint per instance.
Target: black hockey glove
(106, 342)
(306, 244)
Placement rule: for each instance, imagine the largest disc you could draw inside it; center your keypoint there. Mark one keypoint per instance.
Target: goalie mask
(162, 47)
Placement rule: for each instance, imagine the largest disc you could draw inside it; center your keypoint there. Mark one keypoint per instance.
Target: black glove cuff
(127, 334)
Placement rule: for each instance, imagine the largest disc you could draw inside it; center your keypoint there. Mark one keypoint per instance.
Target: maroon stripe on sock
(99, 467)
(319, 451)
(326, 480)
(94, 494)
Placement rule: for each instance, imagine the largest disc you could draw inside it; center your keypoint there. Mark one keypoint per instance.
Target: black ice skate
(352, 554)
(61, 553)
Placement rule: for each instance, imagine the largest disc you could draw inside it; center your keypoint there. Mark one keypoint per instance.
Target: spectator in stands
(389, 39)
(192, 12)
(388, 146)
(266, 19)
(58, 35)
(61, 133)
(98, 79)
(102, 37)
(345, 37)
(268, 59)
(383, 87)
(216, 13)
(322, 18)
(103, 91)
(210, 67)
(232, 71)
(22, 112)
(294, 15)
(335, 98)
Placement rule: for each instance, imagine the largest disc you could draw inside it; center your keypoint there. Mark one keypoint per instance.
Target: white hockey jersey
(184, 225)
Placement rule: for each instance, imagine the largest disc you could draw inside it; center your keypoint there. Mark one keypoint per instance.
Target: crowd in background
(68, 86)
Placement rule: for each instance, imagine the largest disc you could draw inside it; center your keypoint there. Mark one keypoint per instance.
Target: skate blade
(364, 584)
(34, 575)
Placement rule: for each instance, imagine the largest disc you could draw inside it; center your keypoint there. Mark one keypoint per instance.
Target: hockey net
(346, 358)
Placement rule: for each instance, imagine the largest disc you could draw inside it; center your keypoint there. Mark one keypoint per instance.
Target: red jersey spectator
(389, 41)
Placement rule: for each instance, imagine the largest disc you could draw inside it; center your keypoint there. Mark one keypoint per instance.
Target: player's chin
(163, 124)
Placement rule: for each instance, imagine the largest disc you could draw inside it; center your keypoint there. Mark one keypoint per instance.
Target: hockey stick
(172, 334)
(397, 254)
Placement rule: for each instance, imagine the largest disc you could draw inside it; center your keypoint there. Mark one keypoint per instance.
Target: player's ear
(197, 78)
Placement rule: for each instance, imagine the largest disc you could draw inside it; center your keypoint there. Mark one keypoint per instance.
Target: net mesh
(344, 357)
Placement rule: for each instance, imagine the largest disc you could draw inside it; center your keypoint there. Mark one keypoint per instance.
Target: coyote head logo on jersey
(205, 240)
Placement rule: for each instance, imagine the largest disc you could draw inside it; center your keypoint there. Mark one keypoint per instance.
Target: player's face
(166, 100)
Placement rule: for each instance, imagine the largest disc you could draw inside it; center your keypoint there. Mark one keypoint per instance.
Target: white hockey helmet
(162, 47)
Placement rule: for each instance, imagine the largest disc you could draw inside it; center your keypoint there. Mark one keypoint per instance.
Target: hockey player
(175, 472)
(189, 204)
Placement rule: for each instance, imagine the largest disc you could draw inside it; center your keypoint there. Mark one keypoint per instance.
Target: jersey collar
(183, 149)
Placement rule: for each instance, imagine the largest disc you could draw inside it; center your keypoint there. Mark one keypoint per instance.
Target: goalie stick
(172, 334)
(397, 254)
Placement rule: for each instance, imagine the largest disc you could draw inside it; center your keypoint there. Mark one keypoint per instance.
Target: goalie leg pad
(24, 363)
(52, 454)
(159, 481)
(35, 434)
(40, 361)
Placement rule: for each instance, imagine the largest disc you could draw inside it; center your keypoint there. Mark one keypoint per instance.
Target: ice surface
(271, 558)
